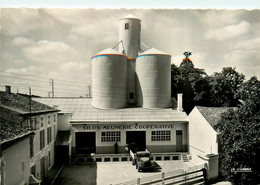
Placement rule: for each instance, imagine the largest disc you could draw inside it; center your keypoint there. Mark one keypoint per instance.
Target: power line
(24, 85)
(22, 78)
(44, 90)
(13, 83)
(43, 77)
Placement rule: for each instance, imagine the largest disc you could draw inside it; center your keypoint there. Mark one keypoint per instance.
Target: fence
(194, 175)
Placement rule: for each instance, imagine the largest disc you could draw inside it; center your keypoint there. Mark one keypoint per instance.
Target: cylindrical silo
(153, 83)
(109, 80)
(129, 35)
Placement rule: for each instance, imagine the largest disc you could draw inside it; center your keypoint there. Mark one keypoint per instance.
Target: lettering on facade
(136, 126)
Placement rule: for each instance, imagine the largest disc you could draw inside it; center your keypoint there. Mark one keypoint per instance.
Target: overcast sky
(59, 43)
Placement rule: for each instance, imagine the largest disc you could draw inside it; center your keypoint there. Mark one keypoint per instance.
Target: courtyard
(103, 173)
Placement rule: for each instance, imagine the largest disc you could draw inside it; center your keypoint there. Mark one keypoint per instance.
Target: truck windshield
(144, 155)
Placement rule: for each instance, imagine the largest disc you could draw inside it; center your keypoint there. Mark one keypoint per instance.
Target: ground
(110, 172)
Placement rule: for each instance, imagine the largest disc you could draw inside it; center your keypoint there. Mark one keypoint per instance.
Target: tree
(249, 90)
(224, 87)
(239, 137)
(193, 83)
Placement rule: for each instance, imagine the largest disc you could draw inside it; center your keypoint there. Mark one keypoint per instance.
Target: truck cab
(143, 160)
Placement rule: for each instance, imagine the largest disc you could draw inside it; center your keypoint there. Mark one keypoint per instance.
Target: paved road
(109, 172)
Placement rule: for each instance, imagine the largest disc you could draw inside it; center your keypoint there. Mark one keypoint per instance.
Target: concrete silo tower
(129, 35)
(153, 82)
(109, 80)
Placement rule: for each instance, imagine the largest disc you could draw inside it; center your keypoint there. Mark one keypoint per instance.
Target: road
(103, 173)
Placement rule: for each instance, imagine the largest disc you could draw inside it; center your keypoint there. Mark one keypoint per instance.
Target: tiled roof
(11, 131)
(82, 110)
(212, 114)
(20, 104)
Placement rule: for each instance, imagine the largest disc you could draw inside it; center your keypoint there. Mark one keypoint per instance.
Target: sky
(51, 43)
(182, 4)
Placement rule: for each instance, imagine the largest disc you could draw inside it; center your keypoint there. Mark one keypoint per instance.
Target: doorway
(136, 140)
(85, 142)
(178, 140)
(62, 154)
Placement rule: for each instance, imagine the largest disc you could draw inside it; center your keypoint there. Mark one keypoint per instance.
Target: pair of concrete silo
(128, 77)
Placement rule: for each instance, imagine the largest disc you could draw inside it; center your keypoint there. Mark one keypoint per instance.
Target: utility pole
(30, 107)
(52, 87)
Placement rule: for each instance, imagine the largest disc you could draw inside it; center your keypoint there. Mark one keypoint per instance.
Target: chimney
(179, 102)
(8, 89)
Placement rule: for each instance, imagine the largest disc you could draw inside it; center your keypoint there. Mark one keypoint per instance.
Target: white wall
(40, 153)
(16, 161)
(202, 137)
(64, 121)
(175, 126)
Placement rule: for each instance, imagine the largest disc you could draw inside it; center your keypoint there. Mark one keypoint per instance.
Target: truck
(142, 160)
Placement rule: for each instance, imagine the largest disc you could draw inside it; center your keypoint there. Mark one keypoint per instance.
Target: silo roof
(130, 16)
(108, 51)
(153, 51)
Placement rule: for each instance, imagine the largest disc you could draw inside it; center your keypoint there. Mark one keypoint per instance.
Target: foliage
(219, 90)
(239, 128)
(249, 90)
(224, 87)
(192, 82)
(239, 137)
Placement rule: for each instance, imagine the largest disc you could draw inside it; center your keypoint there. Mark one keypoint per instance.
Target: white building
(14, 154)
(203, 138)
(39, 118)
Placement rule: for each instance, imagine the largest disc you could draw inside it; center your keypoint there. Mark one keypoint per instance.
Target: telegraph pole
(30, 107)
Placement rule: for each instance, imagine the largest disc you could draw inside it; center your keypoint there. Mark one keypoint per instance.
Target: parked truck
(142, 160)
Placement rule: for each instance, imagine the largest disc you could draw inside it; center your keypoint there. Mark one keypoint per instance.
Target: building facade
(97, 130)
(14, 154)
(203, 137)
(39, 118)
(131, 103)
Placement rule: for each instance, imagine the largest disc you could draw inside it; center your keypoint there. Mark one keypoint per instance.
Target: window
(54, 118)
(41, 121)
(54, 134)
(126, 26)
(42, 139)
(31, 146)
(48, 135)
(161, 135)
(49, 119)
(131, 95)
(23, 166)
(49, 158)
(110, 136)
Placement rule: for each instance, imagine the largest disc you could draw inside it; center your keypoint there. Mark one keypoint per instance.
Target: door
(178, 140)
(33, 171)
(44, 166)
(85, 142)
(136, 140)
(62, 154)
